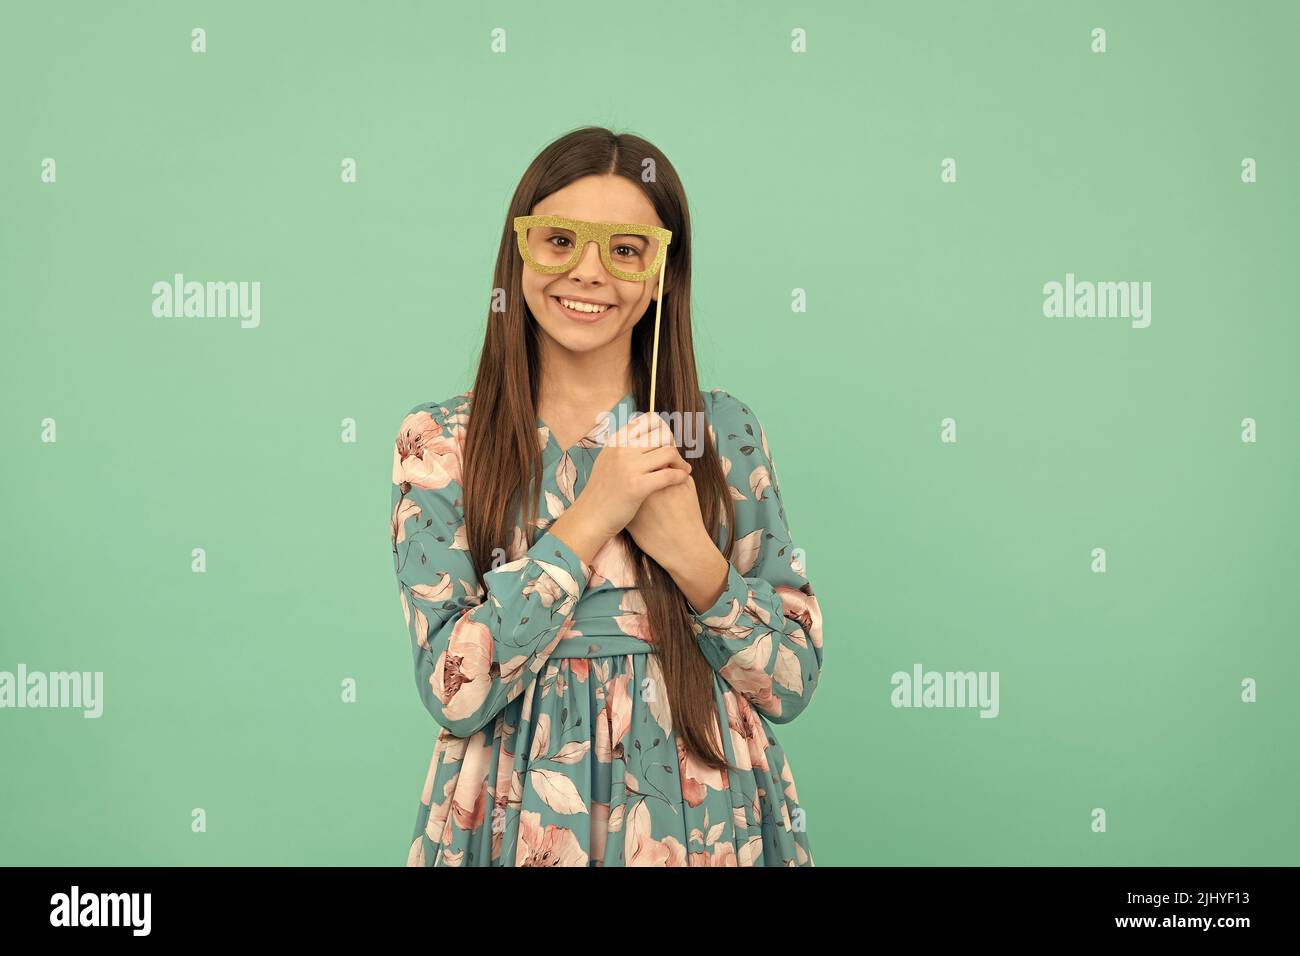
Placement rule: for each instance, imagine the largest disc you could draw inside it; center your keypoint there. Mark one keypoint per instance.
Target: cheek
(630, 299)
(535, 294)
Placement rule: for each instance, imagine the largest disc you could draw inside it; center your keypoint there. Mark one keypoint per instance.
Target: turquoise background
(815, 171)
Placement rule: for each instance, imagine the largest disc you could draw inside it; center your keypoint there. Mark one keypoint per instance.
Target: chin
(581, 342)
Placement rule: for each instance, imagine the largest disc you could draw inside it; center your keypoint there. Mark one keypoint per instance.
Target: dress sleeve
(764, 633)
(475, 645)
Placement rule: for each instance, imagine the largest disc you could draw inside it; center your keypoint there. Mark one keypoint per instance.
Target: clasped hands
(640, 482)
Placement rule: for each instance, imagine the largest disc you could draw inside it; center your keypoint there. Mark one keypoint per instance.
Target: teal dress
(553, 748)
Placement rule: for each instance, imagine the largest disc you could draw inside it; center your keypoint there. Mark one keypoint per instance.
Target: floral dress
(554, 748)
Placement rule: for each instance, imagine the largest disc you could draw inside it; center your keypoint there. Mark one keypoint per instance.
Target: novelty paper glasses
(630, 251)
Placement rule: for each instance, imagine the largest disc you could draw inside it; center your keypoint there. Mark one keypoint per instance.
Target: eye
(625, 251)
(555, 239)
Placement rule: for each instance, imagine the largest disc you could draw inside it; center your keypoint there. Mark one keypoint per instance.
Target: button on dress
(555, 744)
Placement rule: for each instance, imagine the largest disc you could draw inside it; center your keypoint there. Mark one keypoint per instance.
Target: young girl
(603, 626)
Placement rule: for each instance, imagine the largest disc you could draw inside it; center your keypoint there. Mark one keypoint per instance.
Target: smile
(582, 311)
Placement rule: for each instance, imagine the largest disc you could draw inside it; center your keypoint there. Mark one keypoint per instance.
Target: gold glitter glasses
(630, 251)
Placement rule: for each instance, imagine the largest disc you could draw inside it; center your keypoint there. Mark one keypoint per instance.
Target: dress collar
(618, 416)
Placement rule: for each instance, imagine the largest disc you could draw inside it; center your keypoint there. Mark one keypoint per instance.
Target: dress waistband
(600, 645)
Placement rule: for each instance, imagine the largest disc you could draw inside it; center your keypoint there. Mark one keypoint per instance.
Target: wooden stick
(654, 355)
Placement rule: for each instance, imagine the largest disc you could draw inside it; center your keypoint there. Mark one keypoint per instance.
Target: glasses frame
(598, 232)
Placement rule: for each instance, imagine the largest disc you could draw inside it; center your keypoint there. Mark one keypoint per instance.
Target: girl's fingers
(662, 478)
(665, 456)
(647, 431)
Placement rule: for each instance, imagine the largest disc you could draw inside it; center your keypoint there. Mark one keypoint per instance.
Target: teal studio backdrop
(915, 173)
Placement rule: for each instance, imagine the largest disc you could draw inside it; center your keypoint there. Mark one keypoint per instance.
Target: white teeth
(582, 306)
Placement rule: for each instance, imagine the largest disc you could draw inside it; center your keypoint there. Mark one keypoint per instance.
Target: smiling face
(580, 329)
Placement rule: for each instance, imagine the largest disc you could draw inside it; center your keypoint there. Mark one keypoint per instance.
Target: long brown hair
(502, 467)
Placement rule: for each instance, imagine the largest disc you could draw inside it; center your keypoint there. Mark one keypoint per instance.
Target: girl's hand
(669, 523)
(635, 462)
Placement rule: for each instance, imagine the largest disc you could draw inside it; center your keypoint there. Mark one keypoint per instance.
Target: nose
(589, 266)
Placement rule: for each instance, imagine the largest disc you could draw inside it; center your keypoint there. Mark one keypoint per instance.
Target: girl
(602, 627)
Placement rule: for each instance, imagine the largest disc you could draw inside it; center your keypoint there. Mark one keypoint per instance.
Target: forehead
(600, 199)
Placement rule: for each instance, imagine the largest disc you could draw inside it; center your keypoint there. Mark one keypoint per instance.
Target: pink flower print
(642, 849)
(615, 720)
(406, 510)
(697, 779)
(635, 622)
(460, 678)
(747, 731)
(553, 846)
(424, 457)
(724, 854)
(802, 607)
